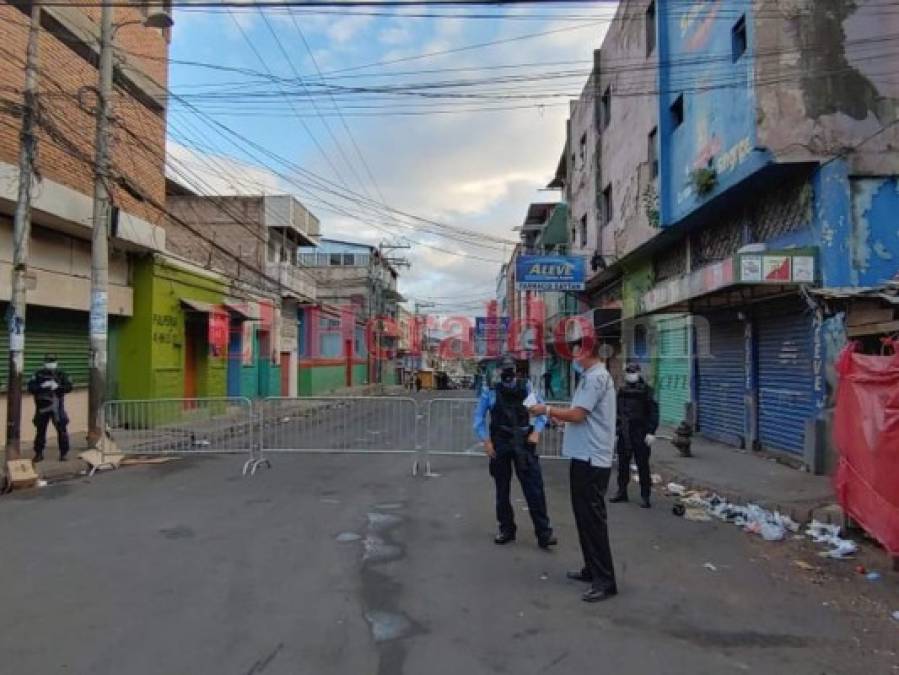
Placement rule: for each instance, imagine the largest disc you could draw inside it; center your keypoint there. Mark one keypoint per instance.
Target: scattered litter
(861, 569)
(828, 533)
(544, 576)
(696, 514)
(678, 509)
(808, 567)
(329, 500)
(676, 489)
(656, 479)
(285, 420)
(202, 443)
(345, 537)
(710, 567)
(873, 576)
(42, 483)
(896, 615)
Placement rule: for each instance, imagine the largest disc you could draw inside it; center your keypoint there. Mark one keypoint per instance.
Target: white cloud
(396, 35)
(473, 170)
(212, 174)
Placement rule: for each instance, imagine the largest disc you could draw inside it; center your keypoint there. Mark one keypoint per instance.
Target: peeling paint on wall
(874, 247)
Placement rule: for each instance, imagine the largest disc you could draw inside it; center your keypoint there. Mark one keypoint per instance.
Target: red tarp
(866, 431)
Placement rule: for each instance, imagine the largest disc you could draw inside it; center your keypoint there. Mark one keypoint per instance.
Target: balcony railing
(292, 279)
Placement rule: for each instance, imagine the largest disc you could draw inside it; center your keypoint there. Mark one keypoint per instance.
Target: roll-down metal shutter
(785, 380)
(673, 373)
(721, 404)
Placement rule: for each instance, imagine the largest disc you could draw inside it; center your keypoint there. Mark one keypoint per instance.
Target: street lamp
(157, 17)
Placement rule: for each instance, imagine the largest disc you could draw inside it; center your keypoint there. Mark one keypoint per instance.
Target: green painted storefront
(151, 346)
(673, 369)
(317, 379)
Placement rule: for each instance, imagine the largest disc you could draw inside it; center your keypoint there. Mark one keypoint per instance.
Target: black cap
(507, 363)
(49, 358)
(632, 367)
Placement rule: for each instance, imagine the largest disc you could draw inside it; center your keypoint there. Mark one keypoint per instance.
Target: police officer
(638, 419)
(49, 385)
(511, 441)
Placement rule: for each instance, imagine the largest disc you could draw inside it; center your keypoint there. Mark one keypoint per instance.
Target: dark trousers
(588, 487)
(41, 421)
(527, 468)
(640, 452)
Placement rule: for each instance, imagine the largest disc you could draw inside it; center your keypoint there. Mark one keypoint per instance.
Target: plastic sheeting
(866, 432)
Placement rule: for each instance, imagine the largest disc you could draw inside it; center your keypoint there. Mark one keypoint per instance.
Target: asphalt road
(346, 564)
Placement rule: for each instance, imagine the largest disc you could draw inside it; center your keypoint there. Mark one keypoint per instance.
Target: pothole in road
(381, 522)
(386, 626)
(376, 550)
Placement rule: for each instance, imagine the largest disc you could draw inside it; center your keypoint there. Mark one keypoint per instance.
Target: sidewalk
(51, 469)
(743, 476)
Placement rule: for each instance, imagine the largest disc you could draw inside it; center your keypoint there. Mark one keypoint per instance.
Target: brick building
(59, 260)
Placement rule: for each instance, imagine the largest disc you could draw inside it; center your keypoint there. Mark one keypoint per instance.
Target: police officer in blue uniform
(511, 441)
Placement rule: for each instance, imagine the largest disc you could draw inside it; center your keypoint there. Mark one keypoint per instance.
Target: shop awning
(198, 306)
(749, 275)
(244, 311)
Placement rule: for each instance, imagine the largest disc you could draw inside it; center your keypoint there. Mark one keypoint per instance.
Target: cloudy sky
(291, 102)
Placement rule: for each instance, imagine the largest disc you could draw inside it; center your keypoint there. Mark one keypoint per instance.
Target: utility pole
(99, 319)
(21, 237)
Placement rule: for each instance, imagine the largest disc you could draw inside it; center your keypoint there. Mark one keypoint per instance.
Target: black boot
(547, 540)
(38, 457)
(645, 503)
(504, 538)
(619, 498)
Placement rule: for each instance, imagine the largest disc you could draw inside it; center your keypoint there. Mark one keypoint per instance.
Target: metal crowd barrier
(182, 426)
(310, 424)
(377, 424)
(450, 430)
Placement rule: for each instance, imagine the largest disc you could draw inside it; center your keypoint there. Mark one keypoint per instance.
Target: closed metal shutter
(785, 380)
(673, 373)
(58, 331)
(721, 382)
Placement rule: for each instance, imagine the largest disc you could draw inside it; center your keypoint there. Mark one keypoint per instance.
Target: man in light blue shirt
(511, 441)
(589, 442)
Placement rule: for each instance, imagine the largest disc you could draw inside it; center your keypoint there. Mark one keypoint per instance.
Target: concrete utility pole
(158, 17)
(99, 320)
(21, 237)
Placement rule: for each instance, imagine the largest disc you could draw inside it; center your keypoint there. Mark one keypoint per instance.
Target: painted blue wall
(874, 241)
(855, 226)
(695, 53)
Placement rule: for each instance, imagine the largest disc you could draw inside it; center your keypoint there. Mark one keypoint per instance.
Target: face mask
(632, 378)
(50, 366)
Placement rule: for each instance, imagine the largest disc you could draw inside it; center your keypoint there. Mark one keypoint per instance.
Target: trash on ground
(202, 443)
(678, 509)
(710, 567)
(544, 576)
(42, 483)
(873, 576)
(808, 567)
(656, 479)
(896, 615)
(828, 533)
(861, 569)
(696, 514)
(676, 489)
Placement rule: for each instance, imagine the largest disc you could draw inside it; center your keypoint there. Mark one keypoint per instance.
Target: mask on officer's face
(51, 365)
(632, 378)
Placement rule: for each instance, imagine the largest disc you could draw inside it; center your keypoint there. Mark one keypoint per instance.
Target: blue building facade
(749, 231)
